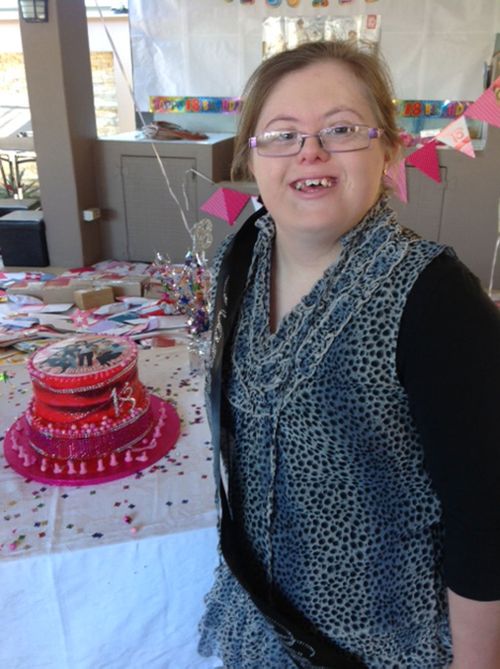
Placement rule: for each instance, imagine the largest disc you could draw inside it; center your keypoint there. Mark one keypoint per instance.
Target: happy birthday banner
(455, 135)
(194, 104)
(430, 108)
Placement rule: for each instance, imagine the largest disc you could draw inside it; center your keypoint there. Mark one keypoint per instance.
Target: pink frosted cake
(90, 419)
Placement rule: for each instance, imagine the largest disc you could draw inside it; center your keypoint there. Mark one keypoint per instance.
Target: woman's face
(308, 100)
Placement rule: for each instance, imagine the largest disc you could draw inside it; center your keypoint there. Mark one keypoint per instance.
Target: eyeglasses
(337, 139)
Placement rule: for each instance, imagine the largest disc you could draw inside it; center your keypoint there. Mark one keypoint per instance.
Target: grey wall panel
(422, 212)
(153, 219)
(139, 214)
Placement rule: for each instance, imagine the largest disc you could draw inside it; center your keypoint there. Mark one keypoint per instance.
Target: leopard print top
(325, 468)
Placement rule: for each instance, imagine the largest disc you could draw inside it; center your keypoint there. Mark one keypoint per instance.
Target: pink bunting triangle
(396, 179)
(426, 160)
(487, 106)
(456, 135)
(226, 204)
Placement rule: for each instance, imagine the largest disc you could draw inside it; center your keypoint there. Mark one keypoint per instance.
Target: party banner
(431, 108)
(456, 135)
(194, 104)
(487, 106)
(396, 179)
(426, 160)
(226, 204)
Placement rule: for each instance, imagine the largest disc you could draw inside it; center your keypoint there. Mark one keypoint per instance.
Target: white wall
(435, 48)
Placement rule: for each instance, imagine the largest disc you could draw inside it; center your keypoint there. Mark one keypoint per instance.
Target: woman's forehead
(322, 89)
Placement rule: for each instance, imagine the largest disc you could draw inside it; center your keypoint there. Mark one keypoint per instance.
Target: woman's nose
(313, 150)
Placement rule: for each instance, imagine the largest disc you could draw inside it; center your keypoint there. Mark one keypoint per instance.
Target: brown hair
(365, 64)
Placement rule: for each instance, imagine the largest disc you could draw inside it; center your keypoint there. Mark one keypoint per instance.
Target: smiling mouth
(304, 184)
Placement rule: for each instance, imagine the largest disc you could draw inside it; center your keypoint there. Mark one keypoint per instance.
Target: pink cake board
(18, 435)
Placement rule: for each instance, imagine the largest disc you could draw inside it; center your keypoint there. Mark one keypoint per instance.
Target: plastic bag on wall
(342, 27)
(273, 36)
(280, 33)
(299, 30)
(363, 27)
(369, 30)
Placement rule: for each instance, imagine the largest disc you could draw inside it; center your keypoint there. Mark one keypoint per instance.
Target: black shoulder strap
(231, 284)
(232, 280)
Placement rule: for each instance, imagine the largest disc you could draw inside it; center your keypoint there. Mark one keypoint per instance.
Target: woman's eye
(342, 129)
(285, 136)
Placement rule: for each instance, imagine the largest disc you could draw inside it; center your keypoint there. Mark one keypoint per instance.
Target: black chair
(22, 239)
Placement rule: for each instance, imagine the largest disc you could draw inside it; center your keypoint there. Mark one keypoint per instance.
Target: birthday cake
(90, 418)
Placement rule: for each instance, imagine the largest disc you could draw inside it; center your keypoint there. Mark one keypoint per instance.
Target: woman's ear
(388, 159)
(391, 157)
(394, 154)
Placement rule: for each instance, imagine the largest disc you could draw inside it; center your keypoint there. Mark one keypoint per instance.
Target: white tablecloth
(80, 587)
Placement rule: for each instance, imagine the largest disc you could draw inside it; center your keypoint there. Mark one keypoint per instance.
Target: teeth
(325, 182)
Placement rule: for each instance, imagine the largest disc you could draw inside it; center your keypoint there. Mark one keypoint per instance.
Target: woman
(354, 382)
